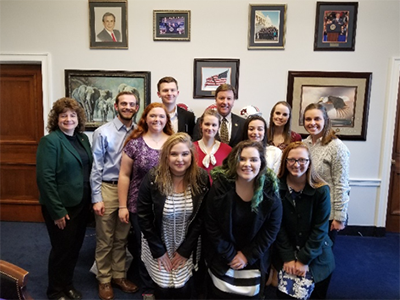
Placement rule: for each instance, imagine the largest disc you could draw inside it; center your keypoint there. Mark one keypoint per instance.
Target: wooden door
(393, 212)
(21, 127)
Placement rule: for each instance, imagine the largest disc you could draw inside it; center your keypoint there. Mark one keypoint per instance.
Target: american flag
(217, 80)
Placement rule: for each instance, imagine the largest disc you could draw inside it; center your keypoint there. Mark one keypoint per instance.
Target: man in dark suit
(181, 119)
(224, 101)
(108, 34)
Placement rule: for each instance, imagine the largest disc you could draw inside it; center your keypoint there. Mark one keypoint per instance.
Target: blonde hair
(163, 174)
(313, 178)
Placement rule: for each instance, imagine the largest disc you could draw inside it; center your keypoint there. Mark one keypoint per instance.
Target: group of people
(218, 207)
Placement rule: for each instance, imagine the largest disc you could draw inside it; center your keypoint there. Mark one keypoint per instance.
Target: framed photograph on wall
(96, 91)
(267, 26)
(335, 26)
(345, 96)
(211, 73)
(108, 24)
(171, 25)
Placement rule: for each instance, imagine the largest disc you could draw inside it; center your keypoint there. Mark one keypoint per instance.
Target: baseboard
(364, 231)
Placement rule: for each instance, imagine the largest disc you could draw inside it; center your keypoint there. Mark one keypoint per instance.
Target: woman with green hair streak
(243, 218)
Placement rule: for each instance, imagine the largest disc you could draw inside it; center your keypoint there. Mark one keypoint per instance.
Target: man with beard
(111, 234)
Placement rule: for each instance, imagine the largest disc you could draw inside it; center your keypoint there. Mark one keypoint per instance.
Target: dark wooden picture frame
(101, 12)
(209, 73)
(267, 26)
(96, 92)
(335, 26)
(171, 25)
(345, 95)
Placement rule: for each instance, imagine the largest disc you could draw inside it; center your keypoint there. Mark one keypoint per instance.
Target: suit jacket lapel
(68, 145)
(235, 127)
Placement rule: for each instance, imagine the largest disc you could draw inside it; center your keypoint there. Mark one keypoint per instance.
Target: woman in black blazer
(63, 164)
(304, 248)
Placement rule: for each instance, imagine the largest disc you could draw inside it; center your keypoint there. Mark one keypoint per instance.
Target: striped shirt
(177, 211)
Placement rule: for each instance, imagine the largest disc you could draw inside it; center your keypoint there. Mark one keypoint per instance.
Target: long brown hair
(59, 107)
(313, 179)
(142, 126)
(287, 129)
(328, 134)
(250, 119)
(163, 173)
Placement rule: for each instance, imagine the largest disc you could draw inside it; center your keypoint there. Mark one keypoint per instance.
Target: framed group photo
(267, 26)
(171, 25)
(345, 95)
(335, 26)
(96, 91)
(108, 24)
(211, 73)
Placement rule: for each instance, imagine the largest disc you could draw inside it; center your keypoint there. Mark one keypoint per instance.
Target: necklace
(156, 141)
(183, 228)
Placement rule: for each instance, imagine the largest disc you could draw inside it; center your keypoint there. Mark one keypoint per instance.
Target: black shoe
(73, 294)
(58, 296)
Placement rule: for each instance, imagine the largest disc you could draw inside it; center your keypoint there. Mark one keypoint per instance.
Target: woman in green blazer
(63, 164)
(304, 248)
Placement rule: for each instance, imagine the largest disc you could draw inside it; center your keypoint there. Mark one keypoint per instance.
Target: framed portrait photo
(96, 92)
(335, 26)
(171, 25)
(267, 26)
(108, 24)
(210, 73)
(345, 95)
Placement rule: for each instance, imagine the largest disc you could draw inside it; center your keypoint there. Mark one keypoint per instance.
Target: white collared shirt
(174, 119)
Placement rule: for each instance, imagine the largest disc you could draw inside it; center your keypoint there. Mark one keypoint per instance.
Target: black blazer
(236, 134)
(150, 207)
(186, 121)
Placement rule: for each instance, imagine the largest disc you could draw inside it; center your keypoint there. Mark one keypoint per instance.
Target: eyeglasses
(301, 161)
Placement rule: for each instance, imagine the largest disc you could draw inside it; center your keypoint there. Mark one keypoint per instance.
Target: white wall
(59, 30)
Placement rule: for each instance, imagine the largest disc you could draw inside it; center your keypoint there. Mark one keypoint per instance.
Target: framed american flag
(209, 73)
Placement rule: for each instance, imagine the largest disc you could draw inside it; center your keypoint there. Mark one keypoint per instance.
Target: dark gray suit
(104, 36)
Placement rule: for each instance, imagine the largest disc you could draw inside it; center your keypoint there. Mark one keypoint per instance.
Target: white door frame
(387, 141)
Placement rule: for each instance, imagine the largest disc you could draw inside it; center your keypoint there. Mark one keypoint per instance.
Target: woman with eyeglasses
(331, 160)
(304, 257)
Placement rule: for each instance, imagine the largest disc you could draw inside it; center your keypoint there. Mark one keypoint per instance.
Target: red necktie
(113, 37)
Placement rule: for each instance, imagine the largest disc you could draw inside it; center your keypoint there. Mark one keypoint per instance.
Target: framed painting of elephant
(96, 91)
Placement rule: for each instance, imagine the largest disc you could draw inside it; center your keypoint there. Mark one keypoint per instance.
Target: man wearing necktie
(109, 34)
(232, 125)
